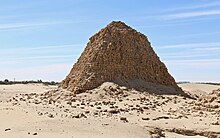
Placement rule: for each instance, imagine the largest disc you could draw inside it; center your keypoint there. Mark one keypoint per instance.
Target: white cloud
(189, 51)
(191, 45)
(42, 47)
(208, 49)
(172, 23)
(196, 62)
(207, 5)
(184, 15)
(194, 55)
(37, 57)
(8, 26)
(197, 34)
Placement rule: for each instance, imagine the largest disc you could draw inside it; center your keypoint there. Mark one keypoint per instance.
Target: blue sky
(42, 39)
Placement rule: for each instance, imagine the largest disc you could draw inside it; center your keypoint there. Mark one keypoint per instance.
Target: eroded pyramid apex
(119, 25)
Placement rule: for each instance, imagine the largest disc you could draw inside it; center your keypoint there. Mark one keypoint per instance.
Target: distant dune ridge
(124, 56)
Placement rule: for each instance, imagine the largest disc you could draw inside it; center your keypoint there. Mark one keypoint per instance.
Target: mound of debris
(121, 55)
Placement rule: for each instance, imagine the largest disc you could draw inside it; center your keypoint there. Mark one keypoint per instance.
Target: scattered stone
(216, 123)
(161, 117)
(83, 103)
(40, 114)
(96, 113)
(98, 107)
(80, 116)
(157, 133)
(66, 110)
(73, 106)
(50, 115)
(7, 129)
(124, 119)
(145, 118)
(113, 111)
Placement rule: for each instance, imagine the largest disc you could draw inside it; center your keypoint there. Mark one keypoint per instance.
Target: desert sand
(111, 111)
(199, 88)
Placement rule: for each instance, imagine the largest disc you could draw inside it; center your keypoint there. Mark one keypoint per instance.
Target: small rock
(80, 116)
(95, 113)
(83, 103)
(113, 111)
(99, 107)
(66, 110)
(145, 118)
(39, 113)
(73, 106)
(216, 123)
(7, 129)
(124, 119)
(51, 115)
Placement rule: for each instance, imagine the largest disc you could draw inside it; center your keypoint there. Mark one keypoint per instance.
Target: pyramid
(120, 54)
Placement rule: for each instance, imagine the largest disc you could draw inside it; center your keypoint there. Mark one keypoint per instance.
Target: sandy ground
(109, 111)
(193, 87)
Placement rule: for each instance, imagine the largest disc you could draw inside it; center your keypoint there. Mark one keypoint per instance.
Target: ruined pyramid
(124, 56)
